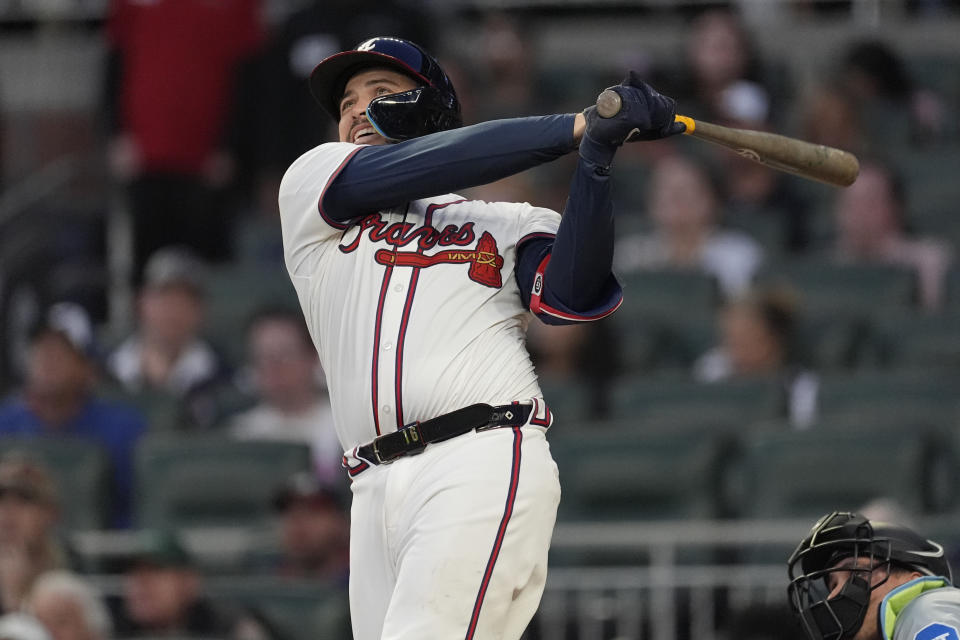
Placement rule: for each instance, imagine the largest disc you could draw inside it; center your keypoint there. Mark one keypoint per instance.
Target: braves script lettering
(401, 234)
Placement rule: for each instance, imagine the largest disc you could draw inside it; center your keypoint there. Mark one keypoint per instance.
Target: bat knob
(608, 103)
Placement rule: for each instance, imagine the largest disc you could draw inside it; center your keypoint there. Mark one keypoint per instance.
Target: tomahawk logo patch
(937, 631)
(485, 261)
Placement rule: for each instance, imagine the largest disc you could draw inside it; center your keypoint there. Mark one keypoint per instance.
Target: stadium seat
(826, 287)
(832, 340)
(742, 401)
(628, 473)
(234, 292)
(921, 340)
(298, 609)
(805, 474)
(666, 319)
(81, 471)
(195, 481)
(930, 184)
(569, 401)
(952, 301)
(667, 293)
(888, 389)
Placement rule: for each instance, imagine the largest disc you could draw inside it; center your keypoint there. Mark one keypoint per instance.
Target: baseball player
(855, 579)
(417, 300)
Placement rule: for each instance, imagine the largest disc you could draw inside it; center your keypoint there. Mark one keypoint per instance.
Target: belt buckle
(412, 443)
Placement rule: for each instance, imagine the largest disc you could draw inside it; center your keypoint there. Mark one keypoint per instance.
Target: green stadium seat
(196, 481)
(629, 474)
(234, 292)
(894, 415)
(862, 290)
(645, 398)
(298, 609)
(81, 471)
(569, 401)
(804, 474)
(162, 410)
(667, 318)
(952, 301)
(929, 177)
(838, 341)
(921, 340)
(888, 389)
(667, 293)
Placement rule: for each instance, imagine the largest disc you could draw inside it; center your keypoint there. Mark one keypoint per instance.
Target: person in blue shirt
(58, 400)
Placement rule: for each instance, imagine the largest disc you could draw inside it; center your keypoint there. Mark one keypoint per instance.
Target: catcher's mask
(433, 106)
(848, 548)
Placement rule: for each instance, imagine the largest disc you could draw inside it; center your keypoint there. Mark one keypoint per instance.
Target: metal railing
(680, 591)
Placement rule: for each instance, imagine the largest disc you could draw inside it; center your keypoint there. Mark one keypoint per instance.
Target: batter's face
(360, 90)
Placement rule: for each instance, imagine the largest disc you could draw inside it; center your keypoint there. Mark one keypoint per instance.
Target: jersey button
(398, 288)
(385, 408)
(387, 346)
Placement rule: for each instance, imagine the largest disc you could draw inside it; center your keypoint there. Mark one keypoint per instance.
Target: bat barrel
(805, 159)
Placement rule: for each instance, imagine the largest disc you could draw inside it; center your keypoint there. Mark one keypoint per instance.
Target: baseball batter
(418, 300)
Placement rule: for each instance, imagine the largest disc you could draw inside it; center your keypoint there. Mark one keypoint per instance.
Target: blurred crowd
(205, 105)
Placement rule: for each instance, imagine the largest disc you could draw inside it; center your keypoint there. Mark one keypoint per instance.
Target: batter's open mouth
(363, 133)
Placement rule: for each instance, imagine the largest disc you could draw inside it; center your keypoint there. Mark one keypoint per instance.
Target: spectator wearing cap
(314, 531)
(162, 593)
(167, 353)
(58, 400)
(28, 516)
(292, 405)
(69, 608)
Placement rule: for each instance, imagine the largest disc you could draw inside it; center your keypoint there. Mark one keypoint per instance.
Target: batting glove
(644, 115)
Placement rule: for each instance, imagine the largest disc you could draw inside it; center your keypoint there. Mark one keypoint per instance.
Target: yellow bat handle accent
(690, 122)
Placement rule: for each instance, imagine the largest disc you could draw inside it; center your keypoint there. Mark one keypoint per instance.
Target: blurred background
(785, 348)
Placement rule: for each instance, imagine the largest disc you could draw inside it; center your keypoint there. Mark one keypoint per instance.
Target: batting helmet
(841, 536)
(429, 108)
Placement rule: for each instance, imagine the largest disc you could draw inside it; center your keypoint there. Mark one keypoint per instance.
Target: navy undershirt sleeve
(579, 276)
(382, 176)
(582, 255)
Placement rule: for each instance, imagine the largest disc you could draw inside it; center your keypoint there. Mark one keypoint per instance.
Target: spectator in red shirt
(170, 79)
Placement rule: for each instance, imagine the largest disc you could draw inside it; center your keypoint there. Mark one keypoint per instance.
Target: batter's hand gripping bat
(805, 159)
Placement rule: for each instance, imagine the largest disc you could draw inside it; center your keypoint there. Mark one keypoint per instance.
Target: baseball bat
(805, 159)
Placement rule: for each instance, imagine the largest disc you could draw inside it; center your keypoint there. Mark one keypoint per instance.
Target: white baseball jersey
(415, 310)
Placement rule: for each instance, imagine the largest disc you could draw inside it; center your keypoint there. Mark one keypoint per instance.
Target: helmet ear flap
(414, 113)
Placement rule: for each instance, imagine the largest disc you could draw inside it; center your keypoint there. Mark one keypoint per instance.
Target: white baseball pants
(452, 544)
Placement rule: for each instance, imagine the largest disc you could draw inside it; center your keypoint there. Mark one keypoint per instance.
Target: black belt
(413, 438)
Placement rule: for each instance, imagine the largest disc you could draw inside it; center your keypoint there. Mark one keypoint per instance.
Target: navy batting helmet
(431, 107)
(842, 536)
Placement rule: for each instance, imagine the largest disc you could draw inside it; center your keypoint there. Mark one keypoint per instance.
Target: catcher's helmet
(429, 108)
(840, 536)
